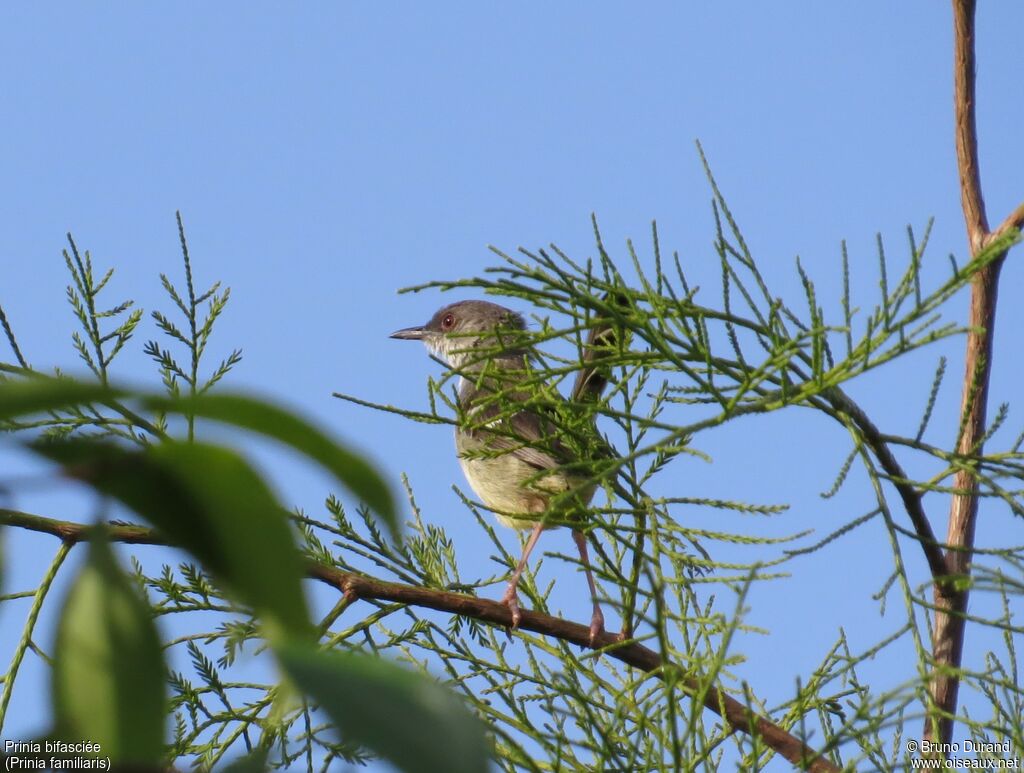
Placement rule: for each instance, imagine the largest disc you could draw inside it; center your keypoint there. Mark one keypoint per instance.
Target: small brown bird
(512, 457)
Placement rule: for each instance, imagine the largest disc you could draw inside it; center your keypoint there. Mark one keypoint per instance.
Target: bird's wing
(531, 443)
(524, 434)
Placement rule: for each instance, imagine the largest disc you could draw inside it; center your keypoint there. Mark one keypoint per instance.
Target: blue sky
(325, 155)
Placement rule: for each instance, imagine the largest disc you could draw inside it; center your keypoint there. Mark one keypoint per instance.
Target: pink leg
(597, 619)
(510, 599)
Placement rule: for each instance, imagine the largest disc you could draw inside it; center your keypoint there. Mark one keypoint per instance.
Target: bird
(507, 444)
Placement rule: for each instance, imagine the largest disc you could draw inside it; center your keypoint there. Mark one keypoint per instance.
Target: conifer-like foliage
(685, 361)
(114, 682)
(697, 359)
(411, 661)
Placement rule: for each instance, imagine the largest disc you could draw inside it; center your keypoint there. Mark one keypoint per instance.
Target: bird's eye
(447, 322)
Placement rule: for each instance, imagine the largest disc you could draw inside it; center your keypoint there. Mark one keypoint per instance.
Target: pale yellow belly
(493, 482)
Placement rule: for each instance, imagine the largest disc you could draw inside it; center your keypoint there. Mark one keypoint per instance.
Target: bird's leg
(597, 619)
(511, 599)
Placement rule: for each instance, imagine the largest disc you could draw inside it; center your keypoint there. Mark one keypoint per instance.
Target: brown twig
(910, 496)
(1014, 220)
(951, 600)
(352, 585)
(965, 126)
(73, 533)
(737, 715)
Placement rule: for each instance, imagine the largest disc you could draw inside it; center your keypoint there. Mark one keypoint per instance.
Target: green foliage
(108, 677)
(303, 436)
(41, 394)
(369, 699)
(197, 335)
(751, 351)
(209, 501)
(110, 672)
(691, 364)
(98, 348)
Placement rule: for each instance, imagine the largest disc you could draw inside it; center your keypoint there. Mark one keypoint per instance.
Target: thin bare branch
(965, 125)
(910, 496)
(951, 599)
(1014, 220)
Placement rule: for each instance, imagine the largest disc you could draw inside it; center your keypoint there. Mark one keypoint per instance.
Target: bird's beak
(409, 334)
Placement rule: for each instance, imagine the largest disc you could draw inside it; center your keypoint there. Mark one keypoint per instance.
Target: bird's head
(467, 333)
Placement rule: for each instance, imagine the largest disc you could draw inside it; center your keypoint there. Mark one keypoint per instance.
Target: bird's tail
(592, 377)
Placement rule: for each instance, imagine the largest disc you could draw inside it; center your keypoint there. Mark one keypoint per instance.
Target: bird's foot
(511, 600)
(596, 627)
(597, 630)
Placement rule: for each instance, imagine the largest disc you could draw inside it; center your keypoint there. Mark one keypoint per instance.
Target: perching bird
(512, 457)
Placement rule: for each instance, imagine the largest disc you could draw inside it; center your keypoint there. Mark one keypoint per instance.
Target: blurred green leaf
(209, 501)
(109, 680)
(40, 393)
(25, 396)
(404, 716)
(250, 763)
(281, 425)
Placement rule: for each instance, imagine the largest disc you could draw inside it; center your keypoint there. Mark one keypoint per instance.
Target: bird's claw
(596, 627)
(511, 600)
(597, 630)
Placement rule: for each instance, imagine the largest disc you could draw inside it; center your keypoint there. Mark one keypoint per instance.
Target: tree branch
(358, 586)
(911, 496)
(951, 600)
(73, 533)
(1014, 220)
(737, 715)
(965, 126)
